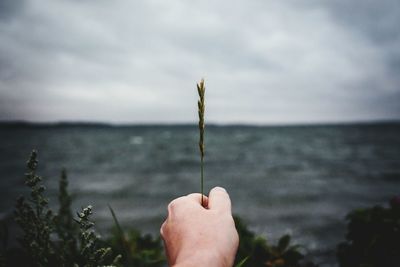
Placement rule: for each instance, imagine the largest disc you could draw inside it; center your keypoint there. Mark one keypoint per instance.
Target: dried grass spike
(201, 107)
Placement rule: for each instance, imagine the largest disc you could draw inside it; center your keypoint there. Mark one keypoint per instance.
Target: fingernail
(219, 188)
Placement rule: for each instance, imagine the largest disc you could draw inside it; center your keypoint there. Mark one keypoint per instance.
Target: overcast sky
(138, 61)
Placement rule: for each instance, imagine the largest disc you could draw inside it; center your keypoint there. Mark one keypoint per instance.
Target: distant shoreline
(88, 124)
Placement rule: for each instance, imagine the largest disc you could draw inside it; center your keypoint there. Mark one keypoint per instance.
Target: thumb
(218, 199)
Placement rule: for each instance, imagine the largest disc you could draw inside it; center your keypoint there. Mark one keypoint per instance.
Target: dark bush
(373, 237)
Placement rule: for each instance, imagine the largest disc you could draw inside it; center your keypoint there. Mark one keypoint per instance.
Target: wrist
(207, 258)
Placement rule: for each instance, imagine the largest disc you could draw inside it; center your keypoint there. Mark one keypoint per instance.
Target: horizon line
(213, 124)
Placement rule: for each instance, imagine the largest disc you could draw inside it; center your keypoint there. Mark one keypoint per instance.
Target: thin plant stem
(202, 180)
(201, 106)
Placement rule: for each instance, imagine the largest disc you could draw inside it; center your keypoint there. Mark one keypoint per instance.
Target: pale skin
(196, 235)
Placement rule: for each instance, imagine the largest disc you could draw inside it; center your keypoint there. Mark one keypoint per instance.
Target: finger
(174, 203)
(197, 197)
(218, 199)
(162, 229)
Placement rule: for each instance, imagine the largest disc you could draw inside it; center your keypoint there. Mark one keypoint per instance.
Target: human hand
(200, 236)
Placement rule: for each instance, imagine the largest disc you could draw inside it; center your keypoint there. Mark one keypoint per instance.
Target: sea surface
(300, 180)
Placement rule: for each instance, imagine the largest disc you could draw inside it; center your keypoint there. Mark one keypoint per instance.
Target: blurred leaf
(283, 243)
(242, 262)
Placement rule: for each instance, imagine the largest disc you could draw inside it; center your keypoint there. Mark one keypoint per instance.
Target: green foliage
(261, 254)
(35, 219)
(136, 249)
(65, 226)
(54, 240)
(60, 240)
(91, 254)
(242, 262)
(373, 237)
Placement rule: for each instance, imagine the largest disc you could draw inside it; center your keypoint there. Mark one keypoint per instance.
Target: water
(300, 180)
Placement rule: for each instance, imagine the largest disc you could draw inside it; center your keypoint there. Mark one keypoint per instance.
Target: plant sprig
(201, 106)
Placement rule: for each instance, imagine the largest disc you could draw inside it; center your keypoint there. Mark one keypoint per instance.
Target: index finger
(197, 198)
(218, 199)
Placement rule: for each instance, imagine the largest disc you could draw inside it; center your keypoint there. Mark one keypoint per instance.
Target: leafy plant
(53, 240)
(91, 254)
(50, 239)
(66, 227)
(136, 249)
(260, 253)
(373, 237)
(36, 219)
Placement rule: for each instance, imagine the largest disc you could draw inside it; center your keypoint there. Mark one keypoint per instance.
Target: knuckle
(163, 229)
(174, 204)
(171, 205)
(162, 232)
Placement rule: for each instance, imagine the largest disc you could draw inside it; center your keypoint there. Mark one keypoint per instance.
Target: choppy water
(297, 180)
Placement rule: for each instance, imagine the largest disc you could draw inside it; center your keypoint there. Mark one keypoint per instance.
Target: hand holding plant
(193, 234)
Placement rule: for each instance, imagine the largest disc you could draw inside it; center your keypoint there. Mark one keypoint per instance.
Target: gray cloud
(137, 61)
(9, 8)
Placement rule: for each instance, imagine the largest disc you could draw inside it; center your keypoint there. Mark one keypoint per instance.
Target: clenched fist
(197, 236)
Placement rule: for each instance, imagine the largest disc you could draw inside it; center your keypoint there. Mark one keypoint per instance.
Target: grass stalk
(201, 106)
(117, 225)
